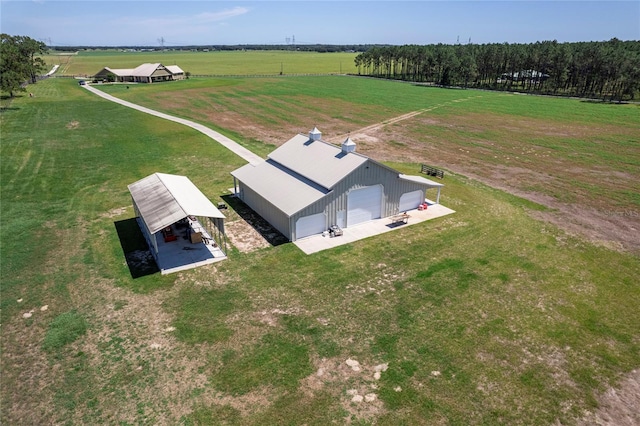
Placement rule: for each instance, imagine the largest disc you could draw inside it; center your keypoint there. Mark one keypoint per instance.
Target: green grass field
(581, 152)
(210, 63)
(484, 317)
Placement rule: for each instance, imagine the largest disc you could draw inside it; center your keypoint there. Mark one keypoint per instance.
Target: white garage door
(310, 225)
(411, 200)
(364, 204)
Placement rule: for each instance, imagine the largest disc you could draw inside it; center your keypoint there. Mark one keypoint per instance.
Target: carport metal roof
(164, 199)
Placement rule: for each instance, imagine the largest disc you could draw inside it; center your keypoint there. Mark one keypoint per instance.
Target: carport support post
(235, 187)
(438, 196)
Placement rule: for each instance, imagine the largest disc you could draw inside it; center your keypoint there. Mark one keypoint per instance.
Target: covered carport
(182, 227)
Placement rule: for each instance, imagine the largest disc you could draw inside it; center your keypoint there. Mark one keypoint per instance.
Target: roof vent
(315, 134)
(348, 145)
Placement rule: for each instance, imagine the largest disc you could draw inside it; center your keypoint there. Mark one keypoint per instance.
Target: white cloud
(178, 21)
(176, 29)
(222, 15)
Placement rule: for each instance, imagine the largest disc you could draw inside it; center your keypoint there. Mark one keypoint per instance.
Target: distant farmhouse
(526, 75)
(308, 185)
(145, 73)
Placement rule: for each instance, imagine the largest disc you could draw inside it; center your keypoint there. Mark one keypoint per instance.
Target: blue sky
(144, 22)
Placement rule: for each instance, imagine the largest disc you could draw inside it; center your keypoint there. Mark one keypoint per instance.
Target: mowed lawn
(487, 316)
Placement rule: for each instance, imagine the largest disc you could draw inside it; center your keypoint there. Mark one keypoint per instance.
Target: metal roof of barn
(318, 161)
(164, 199)
(287, 191)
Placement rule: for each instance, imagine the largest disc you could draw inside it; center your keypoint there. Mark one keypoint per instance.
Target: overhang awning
(164, 199)
(421, 180)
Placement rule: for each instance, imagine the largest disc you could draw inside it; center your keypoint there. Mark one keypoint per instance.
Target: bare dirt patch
(247, 230)
(618, 406)
(114, 212)
(354, 384)
(73, 125)
(245, 237)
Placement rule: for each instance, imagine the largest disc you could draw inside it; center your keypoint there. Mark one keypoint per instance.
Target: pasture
(579, 158)
(210, 63)
(493, 315)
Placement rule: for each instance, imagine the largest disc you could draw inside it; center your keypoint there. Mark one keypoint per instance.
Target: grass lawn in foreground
(483, 317)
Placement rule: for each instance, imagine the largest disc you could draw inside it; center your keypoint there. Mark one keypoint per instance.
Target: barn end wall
(368, 174)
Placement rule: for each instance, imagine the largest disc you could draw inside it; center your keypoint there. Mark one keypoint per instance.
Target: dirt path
(378, 126)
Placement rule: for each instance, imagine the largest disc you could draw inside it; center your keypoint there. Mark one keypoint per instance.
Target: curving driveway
(221, 139)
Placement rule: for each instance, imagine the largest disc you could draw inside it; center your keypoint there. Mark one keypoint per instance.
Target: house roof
(286, 190)
(120, 72)
(174, 69)
(146, 70)
(143, 70)
(316, 160)
(164, 199)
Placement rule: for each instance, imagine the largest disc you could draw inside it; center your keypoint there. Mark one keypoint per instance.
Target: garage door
(364, 204)
(411, 200)
(310, 225)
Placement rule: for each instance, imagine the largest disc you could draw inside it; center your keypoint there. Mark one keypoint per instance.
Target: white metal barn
(182, 227)
(307, 185)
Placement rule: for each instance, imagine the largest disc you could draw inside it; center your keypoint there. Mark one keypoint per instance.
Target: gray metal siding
(268, 211)
(367, 174)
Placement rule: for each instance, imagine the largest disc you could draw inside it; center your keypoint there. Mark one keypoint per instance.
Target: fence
(432, 171)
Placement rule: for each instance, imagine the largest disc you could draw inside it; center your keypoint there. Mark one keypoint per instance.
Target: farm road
(221, 139)
(377, 126)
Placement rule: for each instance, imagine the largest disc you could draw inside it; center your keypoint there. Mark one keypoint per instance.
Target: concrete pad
(316, 243)
(181, 254)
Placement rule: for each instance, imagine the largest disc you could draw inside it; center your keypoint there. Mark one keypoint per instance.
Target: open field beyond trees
(493, 315)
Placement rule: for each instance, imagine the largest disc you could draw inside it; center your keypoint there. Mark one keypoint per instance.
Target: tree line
(607, 70)
(19, 62)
